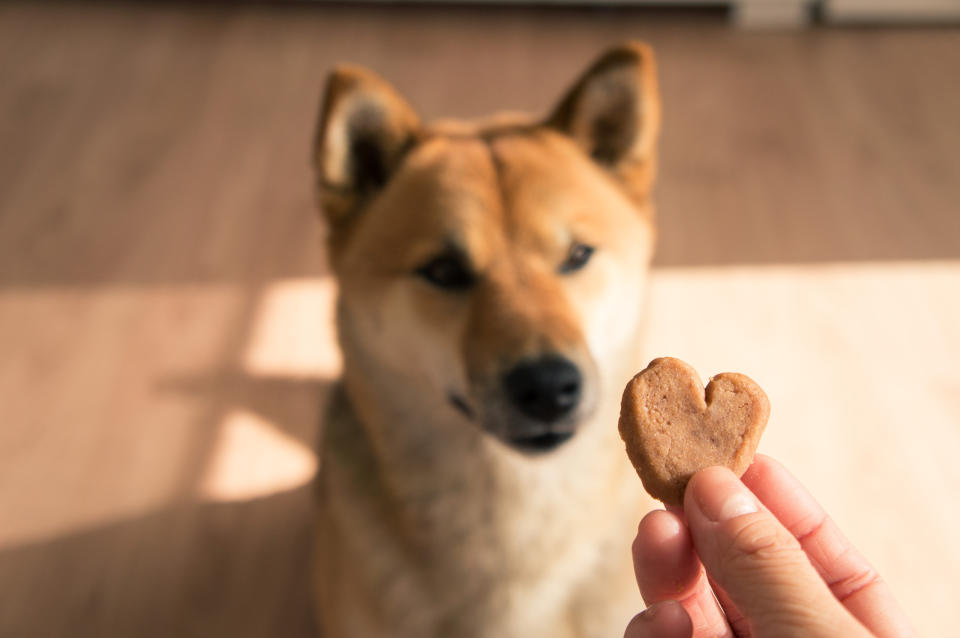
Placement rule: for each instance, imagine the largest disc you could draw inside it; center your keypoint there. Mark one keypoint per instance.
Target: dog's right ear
(613, 114)
(365, 128)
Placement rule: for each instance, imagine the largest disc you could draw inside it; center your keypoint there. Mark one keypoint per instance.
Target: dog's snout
(545, 389)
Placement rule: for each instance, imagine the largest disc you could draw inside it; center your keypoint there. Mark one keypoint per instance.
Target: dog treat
(672, 427)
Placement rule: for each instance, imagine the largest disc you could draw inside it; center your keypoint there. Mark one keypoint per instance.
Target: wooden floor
(165, 335)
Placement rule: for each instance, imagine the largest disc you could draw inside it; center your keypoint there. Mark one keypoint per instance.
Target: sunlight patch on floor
(90, 432)
(290, 337)
(291, 332)
(859, 360)
(252, 458)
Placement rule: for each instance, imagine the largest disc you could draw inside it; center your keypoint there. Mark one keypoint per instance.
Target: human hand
(758, 558)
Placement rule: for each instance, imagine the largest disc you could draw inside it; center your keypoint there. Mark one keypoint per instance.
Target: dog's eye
(577, 258)
(448, 271)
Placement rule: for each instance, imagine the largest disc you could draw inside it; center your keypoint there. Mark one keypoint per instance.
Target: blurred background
(166, 343)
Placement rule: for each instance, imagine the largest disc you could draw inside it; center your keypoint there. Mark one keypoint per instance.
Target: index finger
(849, 575)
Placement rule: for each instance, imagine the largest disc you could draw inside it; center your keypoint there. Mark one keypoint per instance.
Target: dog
(492, 288)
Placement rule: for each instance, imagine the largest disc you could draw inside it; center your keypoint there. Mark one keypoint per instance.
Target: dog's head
(494, 270)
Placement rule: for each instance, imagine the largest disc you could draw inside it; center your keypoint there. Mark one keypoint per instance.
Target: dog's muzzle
(545, 394)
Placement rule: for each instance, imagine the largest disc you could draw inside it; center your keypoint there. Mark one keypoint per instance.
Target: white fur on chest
(488, 543)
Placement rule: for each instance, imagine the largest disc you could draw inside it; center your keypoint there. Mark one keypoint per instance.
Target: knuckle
(757, 541)
(754, 535)
(857, 582)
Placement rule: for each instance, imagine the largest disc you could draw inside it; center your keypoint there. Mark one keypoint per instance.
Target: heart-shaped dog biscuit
(673, 428)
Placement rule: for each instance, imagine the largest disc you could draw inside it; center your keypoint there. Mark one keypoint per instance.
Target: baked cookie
(672, 427)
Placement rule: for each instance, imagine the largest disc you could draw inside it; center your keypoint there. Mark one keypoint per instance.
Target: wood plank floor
(165, 334)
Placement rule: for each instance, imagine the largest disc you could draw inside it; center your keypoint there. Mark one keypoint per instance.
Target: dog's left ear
(365, 129)
(613, 113)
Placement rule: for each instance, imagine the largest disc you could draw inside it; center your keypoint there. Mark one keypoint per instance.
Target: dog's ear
(613, 113)
(365, 128)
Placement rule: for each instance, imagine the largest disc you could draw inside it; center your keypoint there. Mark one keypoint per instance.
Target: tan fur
(427, 525)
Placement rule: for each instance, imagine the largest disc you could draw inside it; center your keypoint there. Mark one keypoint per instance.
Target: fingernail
(665, 619)
(652, 613)
(721, 496)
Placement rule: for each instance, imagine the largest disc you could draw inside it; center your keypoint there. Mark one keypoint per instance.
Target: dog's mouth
(460, 403)
(540, 443)
(520, 430)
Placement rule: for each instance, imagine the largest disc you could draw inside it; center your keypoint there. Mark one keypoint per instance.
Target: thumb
(758, 563)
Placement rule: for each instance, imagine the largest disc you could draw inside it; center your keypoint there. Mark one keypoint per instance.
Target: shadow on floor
(280, 400)
(214, 570)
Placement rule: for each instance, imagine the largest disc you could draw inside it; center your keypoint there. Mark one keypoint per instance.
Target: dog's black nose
(545, 389)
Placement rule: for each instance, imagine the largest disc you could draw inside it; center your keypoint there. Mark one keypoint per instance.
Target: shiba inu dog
(492, 279)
